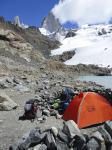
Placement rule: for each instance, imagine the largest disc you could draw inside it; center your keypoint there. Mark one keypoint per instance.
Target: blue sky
(31, 12)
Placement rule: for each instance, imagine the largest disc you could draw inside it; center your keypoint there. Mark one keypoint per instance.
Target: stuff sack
(28, 107)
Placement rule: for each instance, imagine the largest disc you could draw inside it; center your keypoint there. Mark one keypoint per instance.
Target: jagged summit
(50, 23)
(17, 22)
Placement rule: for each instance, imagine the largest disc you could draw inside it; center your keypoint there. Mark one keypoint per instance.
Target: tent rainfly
(87, 109)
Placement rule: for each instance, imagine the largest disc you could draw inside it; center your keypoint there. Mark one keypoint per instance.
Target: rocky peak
(50, 23)
(16, 21)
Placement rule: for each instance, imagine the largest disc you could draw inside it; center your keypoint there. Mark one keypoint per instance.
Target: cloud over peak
(83, 11)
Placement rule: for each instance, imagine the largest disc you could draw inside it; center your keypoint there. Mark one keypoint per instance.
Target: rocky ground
(22, 88)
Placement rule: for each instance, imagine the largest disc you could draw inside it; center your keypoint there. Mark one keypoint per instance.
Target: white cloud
(83, 11)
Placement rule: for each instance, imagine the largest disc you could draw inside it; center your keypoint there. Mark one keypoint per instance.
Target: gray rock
(36, 136)
(23, 144)
(54, 130)
(71, 129)
(108, 127)
(18, 145)
(46, 81)
(46, 112)
(70, 34)
(44, 118)
(78, 143)
(38, 98)
(22, 88)
(40, 88)
(3, 85)
(40, 147)
(58, 116)
(61, 145)
(98, 135)
(46, 93)
(47, 87)
(9, 80)
(93, 144)
(63, 137)
(40, 119)
(43, 76)
(6, 103)
(106, 135)
(100, 139)
(54, 113)
(50, 141)
(16, 80)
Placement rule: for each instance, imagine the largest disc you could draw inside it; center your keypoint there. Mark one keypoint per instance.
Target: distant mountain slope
(31, 35)
(92, 45)
(22, 49)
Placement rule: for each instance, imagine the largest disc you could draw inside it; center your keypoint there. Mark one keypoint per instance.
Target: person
(67, 96)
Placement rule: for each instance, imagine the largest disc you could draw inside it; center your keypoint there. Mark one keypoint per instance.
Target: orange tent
(87, 109)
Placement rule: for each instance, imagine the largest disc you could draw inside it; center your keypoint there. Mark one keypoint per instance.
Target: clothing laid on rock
(30, 110)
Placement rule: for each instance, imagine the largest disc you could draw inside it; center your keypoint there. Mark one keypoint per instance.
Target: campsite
(54, 111)
(55, 75)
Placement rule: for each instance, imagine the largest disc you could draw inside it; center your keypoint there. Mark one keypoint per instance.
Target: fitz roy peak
(50, 23)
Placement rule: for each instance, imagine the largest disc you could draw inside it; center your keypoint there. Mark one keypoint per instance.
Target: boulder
(22, 88)
(61, 145)
(107, 137)
(50, 141)
(3, 85)
(96, 141)
(54, 131)
(6, 103)
(16, 80)
(63, 137)
(40, 147)
(78, 143)
(108, 127)
(18, 145)
(93, 144)
(70, 34)
(35, 137)
(71, 129)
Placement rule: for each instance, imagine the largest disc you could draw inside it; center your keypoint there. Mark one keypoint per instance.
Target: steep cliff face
(50, 23)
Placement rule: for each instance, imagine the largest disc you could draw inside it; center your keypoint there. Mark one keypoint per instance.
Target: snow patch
(90, 48)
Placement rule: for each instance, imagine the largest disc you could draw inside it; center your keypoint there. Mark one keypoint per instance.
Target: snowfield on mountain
(92, 44)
